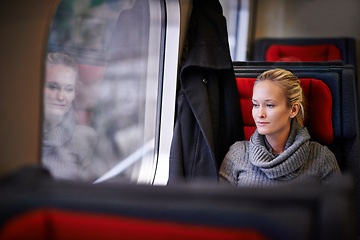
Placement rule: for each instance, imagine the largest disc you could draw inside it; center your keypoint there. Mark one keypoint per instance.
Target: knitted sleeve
(232, 163)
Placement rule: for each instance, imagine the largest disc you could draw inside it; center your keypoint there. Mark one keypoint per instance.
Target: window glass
(230, 11)
(107, 128)
(237, 14)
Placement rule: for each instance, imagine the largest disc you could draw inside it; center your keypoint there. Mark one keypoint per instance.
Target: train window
(237, 13)
(102, 117)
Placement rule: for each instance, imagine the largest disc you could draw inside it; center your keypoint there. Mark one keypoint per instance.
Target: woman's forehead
(60, 74)
(268, 90)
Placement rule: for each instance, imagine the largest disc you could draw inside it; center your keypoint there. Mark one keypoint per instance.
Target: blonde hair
(58, 58)
(291, 86)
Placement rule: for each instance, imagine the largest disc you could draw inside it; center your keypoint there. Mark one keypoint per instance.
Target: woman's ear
(294, 110)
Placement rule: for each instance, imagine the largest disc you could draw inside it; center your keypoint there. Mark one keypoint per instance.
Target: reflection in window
(116, 45)
(67, 147)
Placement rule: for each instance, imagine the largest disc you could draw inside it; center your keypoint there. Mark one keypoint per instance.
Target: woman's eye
(52, 87)
(270, 105)
(255, 105)
(69, 90)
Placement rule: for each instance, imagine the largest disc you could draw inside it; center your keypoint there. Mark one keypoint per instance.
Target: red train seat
(64, 224)
(33, 206)
(90, 77)
(318, 102)
(305, 49)
(312, 53)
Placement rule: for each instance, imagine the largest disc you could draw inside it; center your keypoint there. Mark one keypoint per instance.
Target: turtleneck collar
(62, 132)
(284, 165)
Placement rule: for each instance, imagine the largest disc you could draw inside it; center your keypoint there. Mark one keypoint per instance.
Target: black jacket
(208, 118)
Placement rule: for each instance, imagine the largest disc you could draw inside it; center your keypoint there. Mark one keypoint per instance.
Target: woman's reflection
(67, 148)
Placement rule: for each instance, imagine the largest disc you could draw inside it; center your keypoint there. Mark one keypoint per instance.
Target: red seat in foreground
(60, 224)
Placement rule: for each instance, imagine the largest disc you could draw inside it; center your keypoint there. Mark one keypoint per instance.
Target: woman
(67, 148)
(280, 150)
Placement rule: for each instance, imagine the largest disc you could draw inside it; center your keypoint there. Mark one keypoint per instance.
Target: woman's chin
(262, 130)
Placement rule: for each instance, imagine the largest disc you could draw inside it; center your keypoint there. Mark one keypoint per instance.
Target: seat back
(339, 78)
(318, 113)
(305, 49)
(293, 53)
(80, 225)
(345, 110)
(302, 211)
(90, 77)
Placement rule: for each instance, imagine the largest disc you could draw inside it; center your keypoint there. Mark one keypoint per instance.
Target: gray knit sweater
(252, 163)
(67, 149)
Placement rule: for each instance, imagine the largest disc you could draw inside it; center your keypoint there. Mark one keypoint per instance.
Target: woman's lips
(262, 123)
(59, 105)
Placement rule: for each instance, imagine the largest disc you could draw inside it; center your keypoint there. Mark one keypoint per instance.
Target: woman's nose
(60, 95)
(261, 113)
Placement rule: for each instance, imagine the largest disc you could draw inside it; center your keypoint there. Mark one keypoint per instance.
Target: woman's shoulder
(239, 145)
(324, 161)
(322, 153)
(84, 141)
(319, 148)
(238, 149)
(234, 161)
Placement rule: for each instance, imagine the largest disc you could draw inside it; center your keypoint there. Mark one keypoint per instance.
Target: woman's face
(271, 114)
(59, 90)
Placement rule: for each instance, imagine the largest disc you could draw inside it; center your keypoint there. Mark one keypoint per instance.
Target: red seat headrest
(90, 77)
(314, 53)
(318, 101)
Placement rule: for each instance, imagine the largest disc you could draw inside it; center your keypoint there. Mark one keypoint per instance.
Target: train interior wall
(307, 19)
(23, 41)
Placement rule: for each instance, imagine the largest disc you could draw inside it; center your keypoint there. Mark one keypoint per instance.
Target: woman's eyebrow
(267, 100)
(271, 100)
